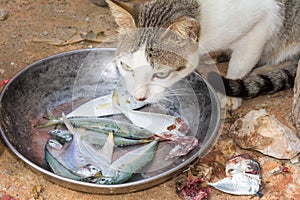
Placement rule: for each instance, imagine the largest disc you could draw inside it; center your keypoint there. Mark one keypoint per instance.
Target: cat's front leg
(246, 52)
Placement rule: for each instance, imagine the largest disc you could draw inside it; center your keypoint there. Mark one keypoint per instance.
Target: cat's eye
(125, 66)
(162, 74)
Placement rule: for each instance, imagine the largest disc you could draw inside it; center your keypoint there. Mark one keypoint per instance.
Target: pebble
(3, 14)
(45, 33)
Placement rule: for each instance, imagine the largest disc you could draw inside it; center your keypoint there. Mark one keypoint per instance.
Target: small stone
(3, 14)
(44, 33)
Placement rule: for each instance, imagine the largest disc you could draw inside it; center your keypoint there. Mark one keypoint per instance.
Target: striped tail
(255, 85)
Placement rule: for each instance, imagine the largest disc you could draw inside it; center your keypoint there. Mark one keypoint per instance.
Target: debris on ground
(3, 14)
(3, 196)
(89, 36)
(296, 102)
(191, 185)
(37, 190)
(260, 131)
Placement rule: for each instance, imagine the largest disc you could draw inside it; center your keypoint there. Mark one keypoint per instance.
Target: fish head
(54, 145)
(89, 170)
(62, 136)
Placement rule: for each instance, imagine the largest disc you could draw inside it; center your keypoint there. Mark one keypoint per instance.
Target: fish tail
(49, 123)
(51, 120)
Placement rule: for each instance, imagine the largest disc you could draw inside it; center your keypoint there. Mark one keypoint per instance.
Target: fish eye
(55, 144)
(126, 67)
(162, 74)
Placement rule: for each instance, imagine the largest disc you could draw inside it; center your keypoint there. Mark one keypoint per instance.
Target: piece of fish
(127, 165)
(239, 184)
(79, 160)
(102, 106)
(155, 122)
(244, 177)
(58, 168)
(95, 138)
(170, 128)
(102, 125)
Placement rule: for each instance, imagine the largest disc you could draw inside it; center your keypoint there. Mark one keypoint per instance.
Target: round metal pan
(64, 81)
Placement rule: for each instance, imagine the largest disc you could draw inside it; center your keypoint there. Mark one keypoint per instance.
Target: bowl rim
(117, 188)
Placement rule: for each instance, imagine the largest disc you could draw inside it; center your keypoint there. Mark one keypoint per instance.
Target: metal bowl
(64, 81)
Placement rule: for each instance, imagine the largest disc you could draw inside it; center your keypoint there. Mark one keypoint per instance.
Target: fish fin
(116, 104)
(68, 124)
(108, 148)
(49, 115)
(115, 98)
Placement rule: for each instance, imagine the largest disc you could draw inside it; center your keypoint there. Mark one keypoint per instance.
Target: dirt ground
(35, 29)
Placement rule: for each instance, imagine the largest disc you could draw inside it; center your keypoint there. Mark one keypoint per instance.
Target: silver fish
(239, 184)
(127, 165)
(106, 126)
(95, 138)
(102, 106)
(79, 157)
(58, 168)
(155, 122)
(244, 177)
(166, 127)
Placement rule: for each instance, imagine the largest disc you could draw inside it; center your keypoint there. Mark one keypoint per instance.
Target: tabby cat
(161, 42)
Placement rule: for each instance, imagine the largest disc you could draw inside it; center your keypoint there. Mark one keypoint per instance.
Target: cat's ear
(123, 14)
(186, 28)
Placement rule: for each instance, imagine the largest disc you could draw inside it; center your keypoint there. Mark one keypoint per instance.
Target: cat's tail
(256, 84)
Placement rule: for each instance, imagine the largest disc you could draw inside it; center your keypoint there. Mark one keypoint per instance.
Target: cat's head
(157, 44)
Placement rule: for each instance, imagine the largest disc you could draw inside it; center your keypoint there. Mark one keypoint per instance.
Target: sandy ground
(35, 29)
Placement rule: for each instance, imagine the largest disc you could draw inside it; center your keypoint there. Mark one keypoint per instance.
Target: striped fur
(261, 33)
(255, 85)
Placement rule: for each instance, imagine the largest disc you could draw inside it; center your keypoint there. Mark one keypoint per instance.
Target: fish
(79, 157)
(102, 106)
(239, 184)
(105, 125)
(169, 128)
(127, 165)
(154, 122)
(95, 138)
(79, 160)
(58, 168)
(244, 177)
(62, 136)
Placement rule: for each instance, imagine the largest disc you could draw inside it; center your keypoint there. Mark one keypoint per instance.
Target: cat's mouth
(149, 93)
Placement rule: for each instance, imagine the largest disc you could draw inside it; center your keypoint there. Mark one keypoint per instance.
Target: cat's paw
(233, 103)
(229, 103)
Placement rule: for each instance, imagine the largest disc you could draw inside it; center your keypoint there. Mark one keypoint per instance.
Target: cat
(161, 42)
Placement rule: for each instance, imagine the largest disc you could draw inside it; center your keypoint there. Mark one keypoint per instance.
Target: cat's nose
(140, 96)
(141, 99)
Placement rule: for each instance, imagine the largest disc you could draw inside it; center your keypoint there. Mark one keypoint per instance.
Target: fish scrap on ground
(89, 140)
(260, 131)
(243, 178)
